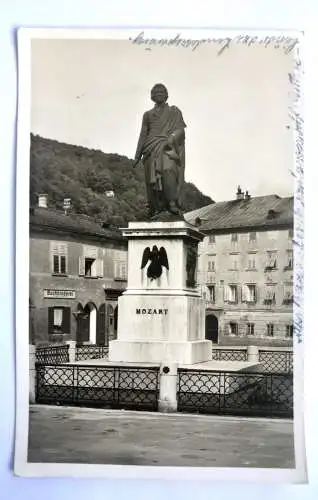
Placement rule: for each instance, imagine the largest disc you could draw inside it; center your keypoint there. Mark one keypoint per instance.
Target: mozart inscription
(152, 311)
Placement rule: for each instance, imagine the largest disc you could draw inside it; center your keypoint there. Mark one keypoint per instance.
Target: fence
(56, 355)
(107, 387)
(89, 351)
(235, 393)
(278, 361)
(229, 354)
(52, 355)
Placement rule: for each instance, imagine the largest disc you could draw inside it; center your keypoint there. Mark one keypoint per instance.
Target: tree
(84, 175)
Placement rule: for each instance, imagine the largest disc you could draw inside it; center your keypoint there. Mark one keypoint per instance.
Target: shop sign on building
(59, 294)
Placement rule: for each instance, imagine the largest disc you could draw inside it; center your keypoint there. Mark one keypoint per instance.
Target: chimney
(42, 200)
(67, 205)
(272, 214)
(247, 196)
(239, 194)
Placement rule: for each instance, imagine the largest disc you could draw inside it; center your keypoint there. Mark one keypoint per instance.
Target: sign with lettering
(59, 294)
(151, 311)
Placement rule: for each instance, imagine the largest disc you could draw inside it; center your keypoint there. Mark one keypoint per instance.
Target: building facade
(245, 270)
(78, 269)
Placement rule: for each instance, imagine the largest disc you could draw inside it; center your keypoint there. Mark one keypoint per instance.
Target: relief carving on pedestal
(191, 266)
(158, 260)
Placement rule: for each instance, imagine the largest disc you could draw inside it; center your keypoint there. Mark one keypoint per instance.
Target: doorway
(212, 328)
(86, 324)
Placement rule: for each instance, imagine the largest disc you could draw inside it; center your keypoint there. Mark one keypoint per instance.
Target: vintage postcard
(159, 287)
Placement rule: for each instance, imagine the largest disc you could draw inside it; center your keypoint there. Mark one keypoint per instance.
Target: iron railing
(235, 393)
(272, 361)
(90, 351)
(229, 354)
(94, 386)
(276, 361)
(52, 354)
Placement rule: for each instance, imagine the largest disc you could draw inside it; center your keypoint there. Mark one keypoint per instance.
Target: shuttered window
(270, 295)
(90, 265)
(120, 270)
(231, 294)
(59, 320)
(249, 293)
(59, 254)
(288, 293)
(271, 260)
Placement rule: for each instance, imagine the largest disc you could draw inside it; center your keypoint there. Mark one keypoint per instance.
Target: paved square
(96, 436)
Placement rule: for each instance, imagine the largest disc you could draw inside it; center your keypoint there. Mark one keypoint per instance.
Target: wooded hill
(85, 175)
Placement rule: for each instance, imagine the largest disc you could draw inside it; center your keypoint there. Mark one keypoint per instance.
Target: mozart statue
(162, 152)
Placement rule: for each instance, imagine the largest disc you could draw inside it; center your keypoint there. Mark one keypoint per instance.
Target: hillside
(84, 175)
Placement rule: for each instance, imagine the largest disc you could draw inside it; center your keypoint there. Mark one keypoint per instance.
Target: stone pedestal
(161, 320)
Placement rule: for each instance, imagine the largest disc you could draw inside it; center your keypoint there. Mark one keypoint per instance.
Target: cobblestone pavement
(82, 435)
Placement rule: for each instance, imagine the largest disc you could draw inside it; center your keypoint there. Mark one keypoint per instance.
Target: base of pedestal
(160, 352)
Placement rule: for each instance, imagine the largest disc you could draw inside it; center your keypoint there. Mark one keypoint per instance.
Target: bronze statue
(162, 150)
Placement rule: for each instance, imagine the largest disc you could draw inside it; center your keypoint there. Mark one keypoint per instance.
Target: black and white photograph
(157, 199)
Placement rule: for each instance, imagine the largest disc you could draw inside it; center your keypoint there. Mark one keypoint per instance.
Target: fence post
(32, 374)
(252, 354)
(71, 351)
(168, 388)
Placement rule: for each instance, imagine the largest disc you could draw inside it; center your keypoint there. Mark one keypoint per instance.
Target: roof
(259, 212)
(44, 219)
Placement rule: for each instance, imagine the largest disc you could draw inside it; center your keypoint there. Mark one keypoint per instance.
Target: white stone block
(161, 317)
(162, 320)
(186, 352)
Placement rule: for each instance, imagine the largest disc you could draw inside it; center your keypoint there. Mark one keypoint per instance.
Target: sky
(236, 106)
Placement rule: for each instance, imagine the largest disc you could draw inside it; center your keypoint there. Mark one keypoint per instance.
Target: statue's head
(159, 93)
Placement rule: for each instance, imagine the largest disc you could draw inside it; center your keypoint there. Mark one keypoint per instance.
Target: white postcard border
(21, 466)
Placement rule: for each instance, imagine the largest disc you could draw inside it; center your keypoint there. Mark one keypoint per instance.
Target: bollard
(168, 388)
(71, 351)
(32, 374)
(252, 353)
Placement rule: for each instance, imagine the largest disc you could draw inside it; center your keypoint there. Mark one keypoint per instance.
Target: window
(252, 237)
(211, 266)
(271, 261)
(270, 295)
(270, 330)
(288, 294)
(233, 328)
(251, 263)
(234, 237)
(249, 293)
(90, 265)
(289, 260)
(211, 238)
(120, 270)
(234, 265)
(231, 294)
(289, 331)
(250, 328)
(110, 317)
(59, 257)
(211, 289)
(59, 320)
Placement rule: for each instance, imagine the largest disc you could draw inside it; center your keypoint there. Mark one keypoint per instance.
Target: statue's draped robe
(164, 175)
